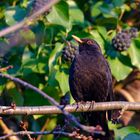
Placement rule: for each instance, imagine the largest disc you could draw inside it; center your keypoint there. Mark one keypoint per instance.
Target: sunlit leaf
(119, 70)
(123, 132)
(54, 55)
(14, 94)
(118, 2)
(132, 137)
(134, 52)
(108, 11)
(28, 36)
(62, 79)
(98, 38)
(37, 116)
(14, 15)
(95, 11)
(74, 9)
(60, 15)
(102, 30)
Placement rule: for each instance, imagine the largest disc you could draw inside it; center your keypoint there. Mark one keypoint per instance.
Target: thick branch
(4, 110)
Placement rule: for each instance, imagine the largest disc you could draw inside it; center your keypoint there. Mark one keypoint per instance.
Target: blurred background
(41, 54)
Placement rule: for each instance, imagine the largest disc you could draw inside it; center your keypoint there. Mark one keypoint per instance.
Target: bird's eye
(89, 42)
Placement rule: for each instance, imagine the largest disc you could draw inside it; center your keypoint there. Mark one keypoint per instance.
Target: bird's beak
(77, 39)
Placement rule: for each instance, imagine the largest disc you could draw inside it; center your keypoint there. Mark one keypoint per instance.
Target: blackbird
(90, 80)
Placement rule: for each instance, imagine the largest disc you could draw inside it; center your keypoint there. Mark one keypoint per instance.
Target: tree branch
(88, 129)
(125, 94)
(80, 107)
(27, 21)
(6, 130)
(23, 133)
(27, 85)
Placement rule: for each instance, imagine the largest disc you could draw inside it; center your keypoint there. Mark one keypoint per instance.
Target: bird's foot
(122, 111)
(91, 104)
(79, 104)
(116, 117)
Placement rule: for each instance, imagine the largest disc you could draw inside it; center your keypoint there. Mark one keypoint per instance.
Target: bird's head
(87, 44)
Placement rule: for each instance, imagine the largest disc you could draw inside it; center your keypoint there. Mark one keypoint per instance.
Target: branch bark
(80, 107)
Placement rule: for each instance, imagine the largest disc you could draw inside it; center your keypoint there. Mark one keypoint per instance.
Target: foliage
(36, 52)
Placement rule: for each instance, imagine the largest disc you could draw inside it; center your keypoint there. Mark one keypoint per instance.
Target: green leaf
(51, 124)
(14, 94)
(14, 15)
(27, 55)
(134, 52)
(29, 66)
(60, 15)
(83, 34)
(51, 79)
(132, 137)
(107, 11)
(32, 98)
(37, 116)
(95, 34)
(54, 55)
(123, 132)
(28, 35)
(62, 79)
(95, 11)
(41, 67)
(2, 84)
(74, 9)
(125, 59)
(118, 3)
(110, 22)
(33, 63)
(102, 30)
(17, 97)
(118, 69)
(113, 126)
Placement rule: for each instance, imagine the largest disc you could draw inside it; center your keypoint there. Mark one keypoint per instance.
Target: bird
(90, 79)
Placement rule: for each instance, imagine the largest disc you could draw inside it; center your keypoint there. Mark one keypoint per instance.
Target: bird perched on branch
(90, 80)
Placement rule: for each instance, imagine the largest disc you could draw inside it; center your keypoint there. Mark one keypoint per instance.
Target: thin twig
(6, 68)
(125, 94)
(7, 130)
(45, 126)
(23, 126)
(23, 133)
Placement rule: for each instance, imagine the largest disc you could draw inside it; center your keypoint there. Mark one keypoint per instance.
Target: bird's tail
(98, 118)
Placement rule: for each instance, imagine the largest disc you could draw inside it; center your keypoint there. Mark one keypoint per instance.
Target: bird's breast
(89, 78)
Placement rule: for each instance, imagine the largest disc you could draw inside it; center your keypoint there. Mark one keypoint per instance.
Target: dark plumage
(90, 80)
